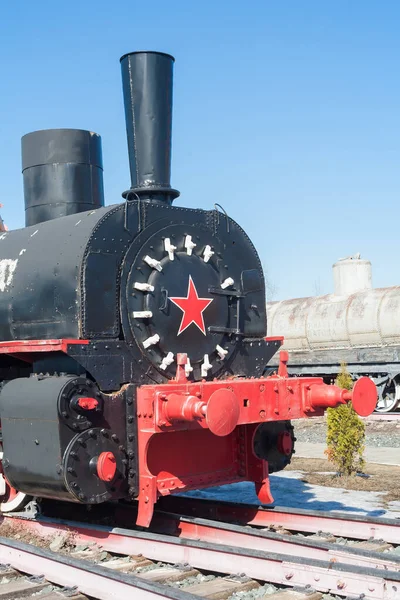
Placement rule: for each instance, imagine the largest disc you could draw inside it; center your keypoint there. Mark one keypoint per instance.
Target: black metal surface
(101, 295)
(34, 435)
(39, 267)
(173, 281)
(265, 444)
(68, 409)
(39, 422)
(147, 89)
(122, 237)
(131, 440)
(79, 467)
(100, 271)
(63, 173)
(234, 255)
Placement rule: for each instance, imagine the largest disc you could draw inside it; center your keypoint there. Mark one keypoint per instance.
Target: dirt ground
(380, 478)
(18, 532)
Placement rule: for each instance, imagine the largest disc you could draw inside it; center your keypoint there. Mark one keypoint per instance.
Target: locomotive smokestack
(147, 89)
(63, 173)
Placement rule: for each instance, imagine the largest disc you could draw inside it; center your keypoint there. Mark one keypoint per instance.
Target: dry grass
(382, 478)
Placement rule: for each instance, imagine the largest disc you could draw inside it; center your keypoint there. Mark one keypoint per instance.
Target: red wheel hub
(285, 443)
(106, 466)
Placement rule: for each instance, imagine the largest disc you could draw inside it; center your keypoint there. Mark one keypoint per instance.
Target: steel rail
(241, 536)
(376, 416)
(281, 569)
(306, 521)
(91, 579)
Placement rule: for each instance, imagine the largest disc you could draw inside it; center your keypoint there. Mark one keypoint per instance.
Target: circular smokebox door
(178, 302)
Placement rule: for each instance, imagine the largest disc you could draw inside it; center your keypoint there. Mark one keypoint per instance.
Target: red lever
(283, 361)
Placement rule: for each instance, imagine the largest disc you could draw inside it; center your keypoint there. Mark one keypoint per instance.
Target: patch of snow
(289, 491)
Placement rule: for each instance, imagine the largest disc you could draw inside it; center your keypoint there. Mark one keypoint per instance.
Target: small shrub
(346, 432)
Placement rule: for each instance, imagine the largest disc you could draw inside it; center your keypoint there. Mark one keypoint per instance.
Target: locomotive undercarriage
(67, 439)
(63, 438)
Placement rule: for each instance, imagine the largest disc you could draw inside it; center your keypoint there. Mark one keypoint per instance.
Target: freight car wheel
(10, 498)
(274, 442)
(388, 398)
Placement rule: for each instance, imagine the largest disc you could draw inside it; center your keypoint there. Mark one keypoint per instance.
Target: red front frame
(181, 452)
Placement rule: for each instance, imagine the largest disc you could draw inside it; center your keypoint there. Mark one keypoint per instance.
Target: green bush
(346, 433)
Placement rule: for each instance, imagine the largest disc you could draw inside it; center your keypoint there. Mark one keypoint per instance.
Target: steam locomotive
(132, 336)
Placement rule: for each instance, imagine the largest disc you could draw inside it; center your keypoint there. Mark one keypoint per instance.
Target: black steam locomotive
(101, 304)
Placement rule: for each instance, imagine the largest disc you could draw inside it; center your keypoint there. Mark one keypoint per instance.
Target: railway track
(376, 416)
(276, 553)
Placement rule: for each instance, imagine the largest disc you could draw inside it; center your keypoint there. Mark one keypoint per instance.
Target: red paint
(283, 361)
(222, 412)
(181, 360)
(192, 307)
(364, 396)
(15, 347)
(182, 407)
(198, 434)
(285, 443)
(88, 403)
(106, 466)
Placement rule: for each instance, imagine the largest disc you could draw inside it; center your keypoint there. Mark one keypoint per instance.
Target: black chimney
(147, 88)
(63, 173)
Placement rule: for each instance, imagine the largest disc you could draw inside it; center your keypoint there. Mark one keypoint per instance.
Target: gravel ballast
(378, 434)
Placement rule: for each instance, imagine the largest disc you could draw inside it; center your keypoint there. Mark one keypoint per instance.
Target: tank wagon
(132, 336)
(357, 324)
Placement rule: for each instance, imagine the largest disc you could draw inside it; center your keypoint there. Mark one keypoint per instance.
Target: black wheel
(274, 442)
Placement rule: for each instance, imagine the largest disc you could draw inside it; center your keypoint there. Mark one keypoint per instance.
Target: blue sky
(287, 113)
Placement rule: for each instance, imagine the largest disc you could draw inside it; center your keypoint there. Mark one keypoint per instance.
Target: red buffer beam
(198, 434)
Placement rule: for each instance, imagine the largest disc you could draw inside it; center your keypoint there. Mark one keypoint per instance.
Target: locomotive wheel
(10, 498)
(274, 442)
(387, 401)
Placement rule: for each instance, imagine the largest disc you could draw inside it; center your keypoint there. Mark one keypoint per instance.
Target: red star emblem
(192, 307)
